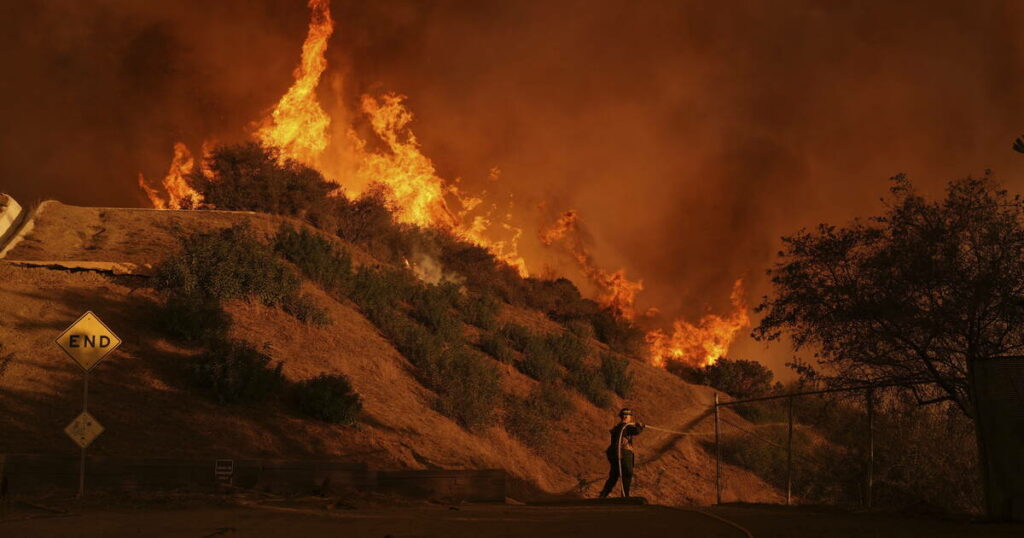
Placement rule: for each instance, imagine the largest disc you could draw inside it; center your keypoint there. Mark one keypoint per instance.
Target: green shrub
(305, 309)
(329, 267)
(368, 221)
(468, 387)
(590, 383)
(581, 328)
(432, 306)
(527, 420)
(481, 311)
(193, 320)
(555, 400)
(495, 345)
(329, 398)
(235, 372)
(538, 362)
(517, 336)
(739, 378)
(383, 287)
(254, 178)
(567, 349)
(616, 374)
(620, 334)
(226, 264)
(531, 419)
(417, 343)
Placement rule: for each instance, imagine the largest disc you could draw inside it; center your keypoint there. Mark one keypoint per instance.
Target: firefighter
(620, 452)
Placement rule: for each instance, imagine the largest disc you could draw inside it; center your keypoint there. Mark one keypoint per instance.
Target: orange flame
(180, 195)
(298, 124)
(704, 343)
(618, 293)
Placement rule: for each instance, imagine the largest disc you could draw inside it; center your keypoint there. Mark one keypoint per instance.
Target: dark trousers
(613, 473)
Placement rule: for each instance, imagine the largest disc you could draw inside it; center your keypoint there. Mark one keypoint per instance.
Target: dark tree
(738, 378)
(920, 293)
(254, 178)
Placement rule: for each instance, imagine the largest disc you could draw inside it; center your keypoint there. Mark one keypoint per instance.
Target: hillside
(143, 397)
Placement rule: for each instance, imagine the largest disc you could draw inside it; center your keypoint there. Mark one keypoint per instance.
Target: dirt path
(463, 521)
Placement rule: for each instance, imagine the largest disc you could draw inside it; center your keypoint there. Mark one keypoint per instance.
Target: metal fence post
(718, 457)
(789, 457)
(85, 408)
(871, 446)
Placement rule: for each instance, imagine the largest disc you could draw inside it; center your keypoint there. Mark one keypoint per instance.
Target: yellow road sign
(87, 341)
(84, 429)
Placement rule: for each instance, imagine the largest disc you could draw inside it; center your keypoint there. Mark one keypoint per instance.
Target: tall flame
(704, 343)
(298, 124)
(300, 128)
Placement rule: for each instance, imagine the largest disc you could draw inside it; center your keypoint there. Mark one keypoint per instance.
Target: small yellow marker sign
(84, 429)
(88, 341)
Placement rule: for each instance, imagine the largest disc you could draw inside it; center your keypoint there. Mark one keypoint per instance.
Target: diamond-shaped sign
(87, 341)
(84, 429)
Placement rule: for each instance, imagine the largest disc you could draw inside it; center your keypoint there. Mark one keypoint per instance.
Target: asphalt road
(422, 521)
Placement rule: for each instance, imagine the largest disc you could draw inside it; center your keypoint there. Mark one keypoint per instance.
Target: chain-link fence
(869, 445)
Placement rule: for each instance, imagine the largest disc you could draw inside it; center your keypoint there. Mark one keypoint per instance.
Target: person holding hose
(620, 452)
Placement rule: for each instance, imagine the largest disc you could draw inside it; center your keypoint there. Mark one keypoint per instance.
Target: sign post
(87, 341)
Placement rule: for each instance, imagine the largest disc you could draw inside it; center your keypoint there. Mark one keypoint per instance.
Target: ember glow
(300, 128)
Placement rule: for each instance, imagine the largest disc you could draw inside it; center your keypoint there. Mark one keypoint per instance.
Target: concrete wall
(29, 474)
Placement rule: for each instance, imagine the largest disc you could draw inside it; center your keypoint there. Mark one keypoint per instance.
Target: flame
(298, 124)
(180, 195)
(704, 343)
(617, 292)
(300, 128)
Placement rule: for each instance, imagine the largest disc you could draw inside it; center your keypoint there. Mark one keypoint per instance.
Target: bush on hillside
(581, 328)
(620, 334)
(494, 344)
(590, 383)
(252, 177)
(480, 311)
(316, 257)
(517, 336)
(432, 305)
(329, 398)
(531, 419)
(567, 349)
(226, 264)
(484, 274)
(539, 362)
(367, 217)
(616, 374)
(235, 372)
(738, 378)
(306, 310)
(468, 387)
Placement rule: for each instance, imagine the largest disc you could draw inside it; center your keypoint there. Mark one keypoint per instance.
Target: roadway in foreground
(466, 520)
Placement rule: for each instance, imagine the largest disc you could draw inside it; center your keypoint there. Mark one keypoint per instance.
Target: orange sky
(688, 136)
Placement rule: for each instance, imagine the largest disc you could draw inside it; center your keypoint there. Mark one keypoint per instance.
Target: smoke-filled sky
(689, 136)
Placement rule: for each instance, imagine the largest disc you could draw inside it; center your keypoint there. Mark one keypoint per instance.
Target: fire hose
(618, 445)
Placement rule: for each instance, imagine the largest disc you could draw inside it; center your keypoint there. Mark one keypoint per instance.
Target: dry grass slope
(149, 409)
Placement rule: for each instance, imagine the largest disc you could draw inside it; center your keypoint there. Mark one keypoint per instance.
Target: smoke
(688, 136)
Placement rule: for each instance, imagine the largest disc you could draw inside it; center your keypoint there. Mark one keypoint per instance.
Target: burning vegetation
(390, 170)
